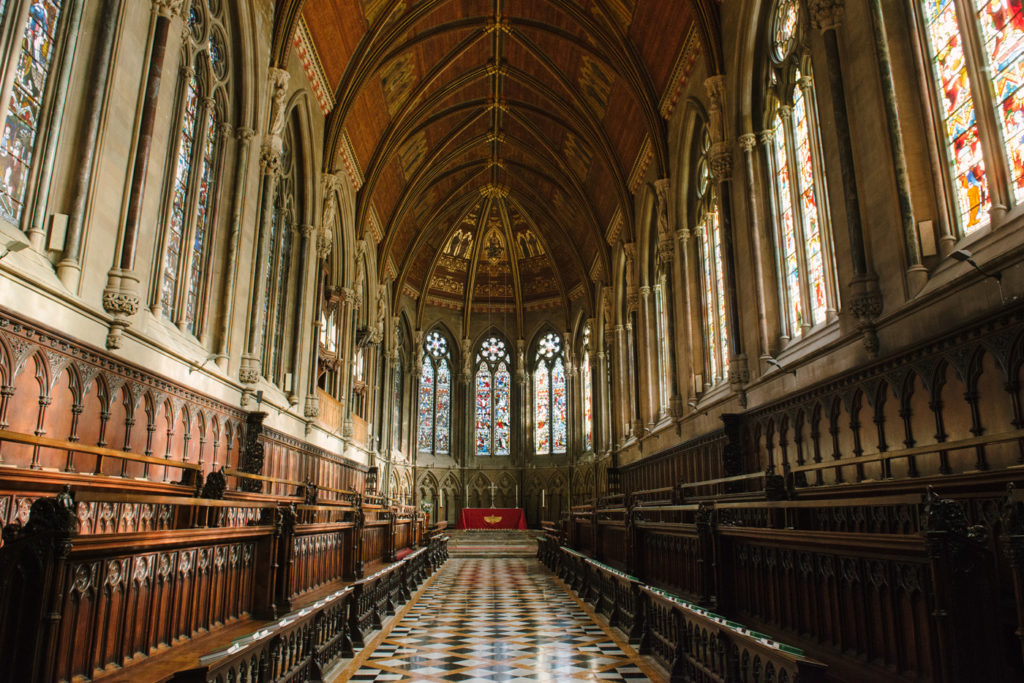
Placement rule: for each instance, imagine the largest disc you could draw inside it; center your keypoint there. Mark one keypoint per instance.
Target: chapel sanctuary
(512, 340)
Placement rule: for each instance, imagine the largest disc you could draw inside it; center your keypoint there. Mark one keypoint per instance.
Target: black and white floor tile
(498, 619)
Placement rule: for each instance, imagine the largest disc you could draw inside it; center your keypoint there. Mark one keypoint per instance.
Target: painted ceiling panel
(541, 112)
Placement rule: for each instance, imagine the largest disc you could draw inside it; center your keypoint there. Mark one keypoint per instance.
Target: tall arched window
(802, 226)
(493, 382)
(971, 81)
(435, 404)
(588, 392)
(193, 188)
(36, 53)
(279, 262)
(549, 398)
(712, 284)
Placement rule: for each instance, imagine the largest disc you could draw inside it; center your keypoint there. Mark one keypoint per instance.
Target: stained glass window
(542, 408)
(493, 408)
(202, 222)
(434, 413)
(966, 136)
(193, 189)
(588, 394)
(1002, 23)
(443, 409)
(16, 144)
(179, 197)
(804, 254)
(549, 397)
(425, 430)
(716, 341)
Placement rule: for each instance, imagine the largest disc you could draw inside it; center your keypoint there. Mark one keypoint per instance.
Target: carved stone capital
(169, 8)
(312, 407)
(826, 14)
(747, 142)
(738, 371)
(249, 370)
(244, 134)
(675, 407)
(766, 137)
(120, 303)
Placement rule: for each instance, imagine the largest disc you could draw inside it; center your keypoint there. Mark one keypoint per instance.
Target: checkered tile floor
(498, 619)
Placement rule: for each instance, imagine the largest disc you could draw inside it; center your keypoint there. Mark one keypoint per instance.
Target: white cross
(493, 489)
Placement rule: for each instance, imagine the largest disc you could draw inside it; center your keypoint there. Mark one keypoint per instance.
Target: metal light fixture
(12, 247)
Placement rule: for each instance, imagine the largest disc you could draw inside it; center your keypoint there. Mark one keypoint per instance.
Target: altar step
(492, 543)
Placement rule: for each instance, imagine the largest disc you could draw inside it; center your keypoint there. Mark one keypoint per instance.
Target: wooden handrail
(908, 499)
(914, 451)
(334, 490)
(664, 489)
(47, 442)
(721, 480)
(100, 497)
(232, 472)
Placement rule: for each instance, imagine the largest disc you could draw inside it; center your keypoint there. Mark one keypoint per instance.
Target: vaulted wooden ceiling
(496, 117)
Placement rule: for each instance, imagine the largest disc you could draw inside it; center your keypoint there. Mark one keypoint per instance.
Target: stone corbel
(826, 14)
(866, 305)
(312, 408)
(121, 301)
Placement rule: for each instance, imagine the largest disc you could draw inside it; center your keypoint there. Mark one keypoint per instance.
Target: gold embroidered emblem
(492, 519)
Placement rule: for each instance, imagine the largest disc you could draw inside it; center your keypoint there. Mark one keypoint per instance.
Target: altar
(492, 518)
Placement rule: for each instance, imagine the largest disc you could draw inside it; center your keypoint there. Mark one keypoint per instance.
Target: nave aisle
(497, 619)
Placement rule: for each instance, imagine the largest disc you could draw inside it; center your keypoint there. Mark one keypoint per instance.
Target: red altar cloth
(492, 518)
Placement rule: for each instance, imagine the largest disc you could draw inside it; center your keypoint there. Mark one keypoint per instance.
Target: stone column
(866, 299)
(306, 324)
(917, 274)
(649, 348)
(721, 172)
(572, 439)
(526, 417)
(602, 423)
(633, 407)
(620, 378)
(748, 143)
(69, 270)
(270, 160)
(349, 309)
(685, 327)
(244, 137)
(767, 140)
(121, 295)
